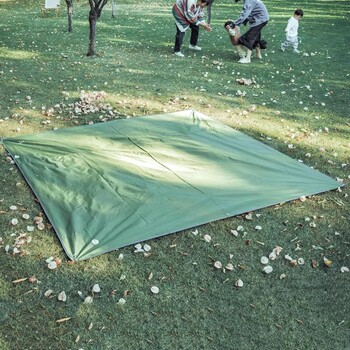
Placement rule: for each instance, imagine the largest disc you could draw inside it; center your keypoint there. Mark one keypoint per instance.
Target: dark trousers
(179, 37)
(250, 38)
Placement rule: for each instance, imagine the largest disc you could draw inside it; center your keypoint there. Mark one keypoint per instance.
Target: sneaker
(244, 60)
(179, 54)
(283, 48)
(194, 47)
(296, 51)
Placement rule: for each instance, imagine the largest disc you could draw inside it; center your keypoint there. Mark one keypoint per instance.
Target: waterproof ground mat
(113, 184)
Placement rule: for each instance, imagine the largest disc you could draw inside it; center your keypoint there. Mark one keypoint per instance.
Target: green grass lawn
(298, 105)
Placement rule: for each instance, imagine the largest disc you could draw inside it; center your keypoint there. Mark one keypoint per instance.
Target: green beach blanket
(109, 185)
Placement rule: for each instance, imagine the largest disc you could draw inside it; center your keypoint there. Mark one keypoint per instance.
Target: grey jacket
(254, 11)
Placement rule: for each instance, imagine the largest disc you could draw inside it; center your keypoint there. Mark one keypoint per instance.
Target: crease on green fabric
(109, 185)
(160, 163)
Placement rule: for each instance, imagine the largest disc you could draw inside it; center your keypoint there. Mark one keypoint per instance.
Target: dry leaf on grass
(48, 293)
(63, 319)
(19, 280)
(96, 288)
(121, 301)
(268, 269)
(264, 260)
(239, 283)
(62, 296)
(154, 289)
(218, 264)
(88, 300)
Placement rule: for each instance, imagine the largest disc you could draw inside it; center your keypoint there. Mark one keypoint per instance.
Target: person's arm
(289, 27)
(247, 9)
(205, 26)
(189, 7)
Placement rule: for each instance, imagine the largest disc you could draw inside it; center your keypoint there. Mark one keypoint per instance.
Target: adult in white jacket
(292, 31)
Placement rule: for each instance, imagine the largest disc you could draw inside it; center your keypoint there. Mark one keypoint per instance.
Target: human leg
(241, 51)
(194, 34)
(287, 43)
(247, 57)
(295, 44)
(256, 46)
(258, 51)
(249, 40)
(179, 37)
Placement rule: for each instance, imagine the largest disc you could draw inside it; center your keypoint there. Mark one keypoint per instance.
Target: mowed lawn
(297, 104)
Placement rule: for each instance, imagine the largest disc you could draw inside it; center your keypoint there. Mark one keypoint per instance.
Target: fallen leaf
(52, 265)
(239, 283)
(218, 264)
(268, 269)
(62, 296)
(264, 260)
(20, 280)
(327, 262)
(147, 248)
(63, 319)
(154, 289)
(229, 267)
(48, 293)
(314, 263)
(88, 300)
(234, 232)
(207, 238)
(96, 288)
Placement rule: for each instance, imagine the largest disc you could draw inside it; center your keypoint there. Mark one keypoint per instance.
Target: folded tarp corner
(113, 184)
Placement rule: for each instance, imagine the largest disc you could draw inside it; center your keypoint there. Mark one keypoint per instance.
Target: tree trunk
(92, 36)
(210, 3)
(113, 9)
(69, 14)
(96, 7)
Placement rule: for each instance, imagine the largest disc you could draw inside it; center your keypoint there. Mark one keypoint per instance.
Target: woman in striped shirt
(189, 14)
